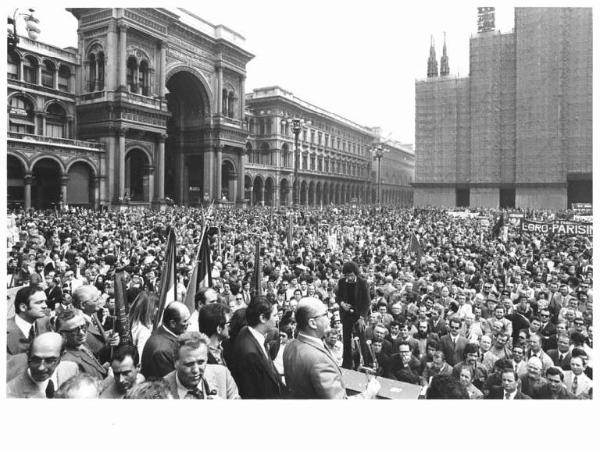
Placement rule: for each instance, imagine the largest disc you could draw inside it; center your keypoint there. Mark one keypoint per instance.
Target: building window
(12, 66)
(21, 117)
(132, 68)
(304, 162)
(64, 75)
(56, 121)
(48, 74)
(231, 109)
(144, 78)
(30, 70)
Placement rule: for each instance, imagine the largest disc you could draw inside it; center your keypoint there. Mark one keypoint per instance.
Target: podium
(356, 382)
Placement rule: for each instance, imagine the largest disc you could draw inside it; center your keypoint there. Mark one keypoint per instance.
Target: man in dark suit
(509, 389)
(310, 369)
(354, 300)
(554, 389)
(547, 329)
(251, 366)
(29, 321)
(453, 344)
(158, 356)
(44, 372)
(562, 355)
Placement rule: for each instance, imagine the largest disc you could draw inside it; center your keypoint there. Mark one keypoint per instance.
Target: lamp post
(297, 126)
(378, 150)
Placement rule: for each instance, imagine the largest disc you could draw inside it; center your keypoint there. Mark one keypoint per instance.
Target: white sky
(358, 59)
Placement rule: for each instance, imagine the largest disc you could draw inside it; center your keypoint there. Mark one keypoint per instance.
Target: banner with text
(557, 227)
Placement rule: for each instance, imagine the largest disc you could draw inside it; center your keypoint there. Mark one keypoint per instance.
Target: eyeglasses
(544, 316)
(454, 327)
(82, 328)
(49, 361)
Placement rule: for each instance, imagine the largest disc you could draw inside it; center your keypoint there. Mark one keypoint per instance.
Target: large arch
(189, 103)
(15, 181)
(228, 181)
(269, 192)
(46, 184)
(284, 192)
(311, 193)
(319, 198)
(326, 193)
(258, 191)
(303, 193)
(137, 177)
(80, 184)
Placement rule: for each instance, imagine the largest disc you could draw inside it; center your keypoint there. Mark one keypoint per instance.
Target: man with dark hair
(194, 377)
(562, 355)
(575, 379)
(403, 366)
(29, 321)
(509, 389)
(45, 371)
(158, 355)
(471, 359)
(353, 297)
(554, 389)
(213, 320)
(310, 369)
(72, 325)
(446, 387)
(453, 344)
(125, 366)
(251, 365)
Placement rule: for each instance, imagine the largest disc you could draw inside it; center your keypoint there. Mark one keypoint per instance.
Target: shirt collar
(42, 385)
(182, 391)
(23, 325)
(312, 339)
(260, 338)
(168, 331)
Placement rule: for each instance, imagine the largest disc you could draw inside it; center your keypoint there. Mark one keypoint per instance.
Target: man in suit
(535, 350)
(509, 389)
(311, 371)
(158, 356)
(576, 381)
(251, 366)
(213, 320)
(30, 319)
(554, 389)
(453, 344)
(354, 300)
(193, 377)
(562, 355)
(547, 328)
(125, 367)
(45, 371)
(72, 325)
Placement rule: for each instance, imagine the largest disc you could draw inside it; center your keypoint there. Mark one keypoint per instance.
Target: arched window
(230, 108)
(48, 74)
(132, 67)
(144, 78)
(12, 66)
(21, 117)
(64, 76)
(100, 77)
(56, 121)
(30, 70)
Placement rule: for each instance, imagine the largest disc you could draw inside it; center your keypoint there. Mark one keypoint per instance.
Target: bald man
(45, 371)
(311, 371)
(158, 356)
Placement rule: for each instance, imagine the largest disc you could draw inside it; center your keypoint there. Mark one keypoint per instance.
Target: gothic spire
(444, 68)
(432, 65)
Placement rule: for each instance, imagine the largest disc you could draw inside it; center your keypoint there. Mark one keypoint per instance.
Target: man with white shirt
(45, 371)
(30, 319)
(509, 389)
(535, 350)
(576, 381)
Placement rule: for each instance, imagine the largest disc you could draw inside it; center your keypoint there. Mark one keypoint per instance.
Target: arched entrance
(319, 200)
(284, 192)
(45, 189)
(258, 191)
(269, 191)
(80, 186)
(15, 182)
(303, 193)
(228, 185)
(188, 104)
(137, 181)
(311, 193)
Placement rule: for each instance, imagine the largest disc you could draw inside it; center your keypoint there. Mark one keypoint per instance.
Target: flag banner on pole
(122, 318)
(168, 278)
(498, 226)
(201, 275)
(415, 247)
(290, 231)
(257, 277)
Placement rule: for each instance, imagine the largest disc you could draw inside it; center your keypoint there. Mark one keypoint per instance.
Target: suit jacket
(311, 371)
(217, 377)
(23, 387)
(255, 375)
(16, 342)
(545, 393)
(498, 393)
(564, 363)
(158, 357)
(361, 300)
(584, 384)
(453, 353)
(87, 363)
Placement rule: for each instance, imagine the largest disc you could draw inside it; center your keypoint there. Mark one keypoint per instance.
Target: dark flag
(168, 278)
(257, 276)
(201, 275)
(498, 226)
(290, 231)
(415, 247)
(122, 319)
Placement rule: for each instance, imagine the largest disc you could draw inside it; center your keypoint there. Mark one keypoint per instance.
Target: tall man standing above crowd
(354, 300)
(30, 319)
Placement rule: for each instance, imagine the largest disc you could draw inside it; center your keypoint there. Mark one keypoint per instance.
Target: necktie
(506, 395)
(574, 385)
(31, 335)
(50, 389)
(196, 393)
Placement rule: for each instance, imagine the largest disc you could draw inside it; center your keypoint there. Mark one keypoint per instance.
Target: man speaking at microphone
(311, 371)
(353, 297)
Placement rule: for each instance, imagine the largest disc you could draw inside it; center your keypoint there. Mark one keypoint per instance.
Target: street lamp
(378, 150)
(297, 126)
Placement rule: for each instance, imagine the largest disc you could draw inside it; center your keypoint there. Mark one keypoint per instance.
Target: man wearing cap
(354, 300)
(311, 371)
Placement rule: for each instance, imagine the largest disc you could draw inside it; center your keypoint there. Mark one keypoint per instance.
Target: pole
(296, 163)
(379, 178)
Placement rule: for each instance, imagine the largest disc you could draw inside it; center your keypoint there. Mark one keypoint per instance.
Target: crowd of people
(464, 312)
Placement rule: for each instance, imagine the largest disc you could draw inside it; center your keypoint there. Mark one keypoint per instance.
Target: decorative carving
(144, 21)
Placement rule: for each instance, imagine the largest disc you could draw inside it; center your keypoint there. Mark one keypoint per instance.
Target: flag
(121, 316)
(290, 231)
(257, 277)
(498, 226)
(201, 275)
(415, 247)
(168, 278)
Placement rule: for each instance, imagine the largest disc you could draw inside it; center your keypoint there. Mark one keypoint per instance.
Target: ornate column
(122, 57)
(240, 174)
(39, 74)
(151, 81)
(28, 180)
(218, 170)
(121, 133)
(21, 78)
(160, 191)
(162, 47)
(242, 97)
(55, 79)
(97, 79)
(64, 180)
(43, 116)
(219, 69)
(234, 192)
(262, 195)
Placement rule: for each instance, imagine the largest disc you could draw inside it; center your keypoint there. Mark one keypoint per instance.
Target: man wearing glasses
(45, 371)
(72, 325)
(311, 370)
(453, 344)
